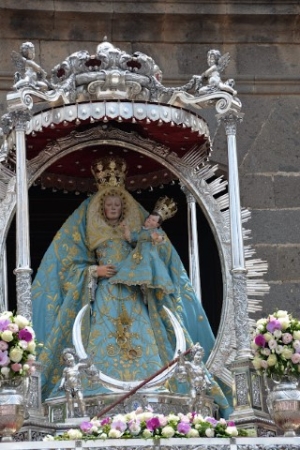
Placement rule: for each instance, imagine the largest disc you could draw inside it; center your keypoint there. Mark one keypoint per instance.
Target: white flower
(198, 418)
(257, 362)
(261, 322)
(6, 314)
(222, 421)
(26, 367)
(173, 417)
(268, 336)
(266, 351)
(277, 333)
(167, 432)
(264, 364)
(147, 434)
(279, 349)
(95, 421)
(232, 431)
(5, 371)
(103, 436)
(287, 352)
(280, 313)
(192, 433)
(209, 432)
(94, 429)
(48, 437)
(272, 360)
(21, 321)
(115, 434)
(285, 322)
(7, 336)
(16, 354)
(296, 345)
(74, 434)
(296, 335)
(272, 344)
(23, 344)
(31, 346)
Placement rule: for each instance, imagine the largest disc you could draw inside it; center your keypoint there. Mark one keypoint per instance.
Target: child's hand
(125, 230)
(156, 237)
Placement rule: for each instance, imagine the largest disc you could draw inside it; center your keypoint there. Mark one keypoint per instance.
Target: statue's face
(69, 359)
(151, 221)
(113, 208)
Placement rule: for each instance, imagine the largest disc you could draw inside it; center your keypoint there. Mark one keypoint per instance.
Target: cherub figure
(216, 64)
(71, 382)
(29, 74)
(197, 376)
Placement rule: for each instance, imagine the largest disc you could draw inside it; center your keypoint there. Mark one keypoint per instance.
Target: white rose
(115, 434)
(232, 431)
(103, 436)
(285, 322)
(209, 432)
(5, 371)
(287, 352)
(26, 367)
(277, 333)
(167, 432)
(7, 336)
(172, 417)
(282, 313)
(74, 434)
(31, 346)
(296, 335)
(261, 322)
(31, 358)
(6, 314)
(147, 434)
(48, 437)
(16, 354)
(192, 433)
(256, 362)
(272, 360)
(268, 336)
(21, 321)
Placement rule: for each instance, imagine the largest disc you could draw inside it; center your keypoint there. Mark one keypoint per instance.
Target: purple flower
(4, 359)
(230, 423)
(4, 324)
(260, 340)
(273, 325)
(105, 421)
(25, 335)
(86, 426)
(211, 420)
(153, 423)
(119, 425)
(183, 427)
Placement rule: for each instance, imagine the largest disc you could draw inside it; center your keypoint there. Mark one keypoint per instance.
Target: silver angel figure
(71, 382)
(29, 74)
(216, 64)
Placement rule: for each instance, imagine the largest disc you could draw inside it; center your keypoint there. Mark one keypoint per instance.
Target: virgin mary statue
(127, 338)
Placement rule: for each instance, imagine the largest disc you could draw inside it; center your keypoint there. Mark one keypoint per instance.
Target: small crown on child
(165, 207)
(110, 171)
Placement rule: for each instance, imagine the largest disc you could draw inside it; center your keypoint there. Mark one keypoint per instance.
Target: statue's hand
(106, 271)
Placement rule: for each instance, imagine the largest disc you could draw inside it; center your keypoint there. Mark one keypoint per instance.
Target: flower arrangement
(17, 346)
(276, 345)
(146, 424)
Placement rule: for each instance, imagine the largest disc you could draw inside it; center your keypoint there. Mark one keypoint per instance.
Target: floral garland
(276, 345)
(146, 424)
(17, 346)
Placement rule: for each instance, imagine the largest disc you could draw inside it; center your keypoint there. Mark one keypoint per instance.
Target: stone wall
(262, 38)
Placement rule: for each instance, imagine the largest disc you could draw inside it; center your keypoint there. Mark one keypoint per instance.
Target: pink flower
(183, 427)
(260, 340)
(287, 338)
(16, 367)
(295, 358)
(13, 327)
(3, 345)
(119, 425)
(86, 426)
(25, 335)
(4, 359)
(153, 423)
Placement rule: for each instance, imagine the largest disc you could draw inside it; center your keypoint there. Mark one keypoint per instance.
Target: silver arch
(121, 386)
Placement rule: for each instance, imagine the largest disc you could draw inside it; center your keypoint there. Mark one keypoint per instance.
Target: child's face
(151, 222)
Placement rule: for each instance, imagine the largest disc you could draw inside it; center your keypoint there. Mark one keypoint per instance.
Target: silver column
(194, 265)
(23, 270)
(237, 247)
